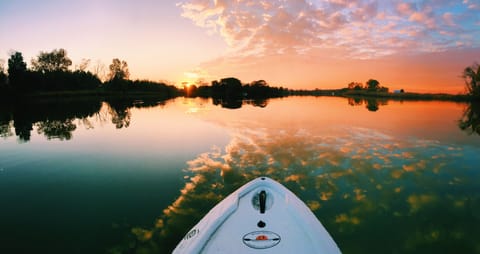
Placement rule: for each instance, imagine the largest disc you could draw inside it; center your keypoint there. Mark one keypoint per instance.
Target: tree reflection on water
(59, 118)
(56, 128)
(372, 104)
(365, 186)
(238, 103)
(53, 118)
(470, 121)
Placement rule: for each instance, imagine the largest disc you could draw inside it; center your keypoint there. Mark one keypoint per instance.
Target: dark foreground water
(126, 176)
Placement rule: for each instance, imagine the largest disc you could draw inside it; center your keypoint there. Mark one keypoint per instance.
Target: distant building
(398, 91)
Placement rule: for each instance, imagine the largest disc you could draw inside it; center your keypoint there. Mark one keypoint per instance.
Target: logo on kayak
(261, 239)
(191, 234)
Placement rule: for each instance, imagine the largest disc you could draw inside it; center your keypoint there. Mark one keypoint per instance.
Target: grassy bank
(408, 96)
(138, 94)
(83, 94)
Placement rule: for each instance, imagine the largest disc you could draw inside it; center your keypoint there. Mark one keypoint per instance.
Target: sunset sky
(420, 46)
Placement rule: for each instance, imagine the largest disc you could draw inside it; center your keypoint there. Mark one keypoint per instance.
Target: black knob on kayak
(261, 224)
(263, 201)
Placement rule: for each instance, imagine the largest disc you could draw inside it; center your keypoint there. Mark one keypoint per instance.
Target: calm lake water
(125, 176)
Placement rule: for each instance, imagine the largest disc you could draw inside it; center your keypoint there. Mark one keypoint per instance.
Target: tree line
(51, 71)
(233, 89)
(372, 85)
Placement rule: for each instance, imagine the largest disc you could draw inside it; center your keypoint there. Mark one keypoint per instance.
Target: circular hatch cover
(261, 239)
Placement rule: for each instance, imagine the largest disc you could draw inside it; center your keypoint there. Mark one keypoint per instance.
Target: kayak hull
(260, 217)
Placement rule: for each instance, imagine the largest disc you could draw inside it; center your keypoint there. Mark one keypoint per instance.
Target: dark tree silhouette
(355, 85)
(118, 70)
(471, 75)
(50, 74)
(99, 70)
(231, 88)
(16, 64)
(257, 89)
(373, 85)
(83, 65)
(118, 76)
(357, 88)
(56, 60)
(17, 69)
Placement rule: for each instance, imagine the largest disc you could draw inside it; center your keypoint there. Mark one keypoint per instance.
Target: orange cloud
(312, 44)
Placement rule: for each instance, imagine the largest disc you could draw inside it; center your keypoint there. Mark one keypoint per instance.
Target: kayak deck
(261, 217)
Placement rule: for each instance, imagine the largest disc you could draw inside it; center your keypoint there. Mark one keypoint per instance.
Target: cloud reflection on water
(362, 185)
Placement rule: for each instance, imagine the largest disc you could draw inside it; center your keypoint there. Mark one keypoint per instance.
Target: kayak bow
(262, 216)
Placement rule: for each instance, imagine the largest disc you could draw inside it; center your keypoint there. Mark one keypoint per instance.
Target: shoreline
(415, 96)
(330, 93)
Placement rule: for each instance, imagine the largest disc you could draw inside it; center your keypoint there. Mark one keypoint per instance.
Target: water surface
(98, 176)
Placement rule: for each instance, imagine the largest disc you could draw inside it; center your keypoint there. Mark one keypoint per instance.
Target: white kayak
(260, 217)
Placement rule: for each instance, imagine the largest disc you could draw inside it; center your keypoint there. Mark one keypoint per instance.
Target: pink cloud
(370, 10)
(474, 6)
(361, 28)
(405, 8)
(448, 19)
(423, 18)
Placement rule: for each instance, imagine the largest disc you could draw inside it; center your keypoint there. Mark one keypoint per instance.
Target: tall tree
(17, 68)
(373, 84)
(118, 70)
(471, 75)
(232, 88)
(99, 70)
(355, 85)
(57, 60)
(83, 65)
(16, 64)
